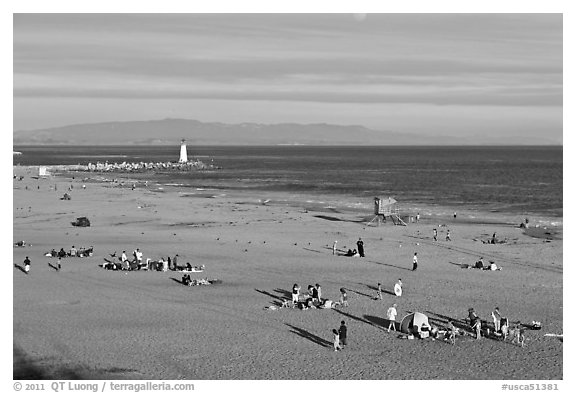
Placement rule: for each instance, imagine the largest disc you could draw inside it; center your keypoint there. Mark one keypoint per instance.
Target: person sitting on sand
(61, 253)
(27, 264)
(123, 257)
(480, 263)
(492, 266)
(350, 253)
(54, 253)
(188, 267)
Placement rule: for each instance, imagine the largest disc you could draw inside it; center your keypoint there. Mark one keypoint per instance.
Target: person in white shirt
(415, 261)
(391, 314)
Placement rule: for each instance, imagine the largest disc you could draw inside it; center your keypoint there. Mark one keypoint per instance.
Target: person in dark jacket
(343, 333)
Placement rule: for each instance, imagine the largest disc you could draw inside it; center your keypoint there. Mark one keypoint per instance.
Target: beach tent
(415, 319)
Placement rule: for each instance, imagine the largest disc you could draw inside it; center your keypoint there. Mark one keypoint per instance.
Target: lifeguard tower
(384, 208)
(183, 152)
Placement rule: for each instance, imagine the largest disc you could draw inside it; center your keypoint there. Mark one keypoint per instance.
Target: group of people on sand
(359, 252)
(500, 327)
(491, 266)
(313, 298)
(74, 252)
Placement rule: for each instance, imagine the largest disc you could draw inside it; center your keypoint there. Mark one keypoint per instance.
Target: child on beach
(378, 292)
(391, 314)
(477, 328)
(336, 340)
(343, 297)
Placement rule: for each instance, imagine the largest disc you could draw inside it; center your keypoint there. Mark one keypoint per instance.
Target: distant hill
(170, 131)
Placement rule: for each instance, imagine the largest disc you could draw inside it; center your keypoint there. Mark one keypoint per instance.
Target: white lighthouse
(183, 153)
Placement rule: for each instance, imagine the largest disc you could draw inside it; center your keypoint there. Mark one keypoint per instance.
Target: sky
(430, 74)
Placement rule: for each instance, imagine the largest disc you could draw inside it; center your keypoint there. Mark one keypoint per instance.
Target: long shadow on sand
(375, 289)
(360, 293)
(178, 281)
(354, 317)
(53, 267)
(387, 264)
(383, 322)
(309, 336)
(284, 292)
(277, 302)
(20, 268)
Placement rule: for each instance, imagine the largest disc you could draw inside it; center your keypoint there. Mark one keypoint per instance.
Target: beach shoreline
(259, 245)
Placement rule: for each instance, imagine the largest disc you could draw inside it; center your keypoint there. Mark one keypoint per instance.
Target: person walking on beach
(336, 340)
(448, 235)
(27, 265)
(175, 262)
(391, 315)
(334, 247)
(435, 234)
(415, 261)
(343, 297)
(295, 294)
(417, 218)
(59, 263)
(360, 245)
(343, 333)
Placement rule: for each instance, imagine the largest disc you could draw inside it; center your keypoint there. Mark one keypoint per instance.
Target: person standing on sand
(336, 340)
(360, 245)
(478, 328)
(391, 315)
(417, 218)
(175, 262)
(435, 234)
(334, 247)
(295, 294)
(318, 293)
(343, 297)
(343, 333)
(448, 236)
(59, 263)
(398, 288)
(415, 261)
(123, 257)
(496, 317)
(26, 265)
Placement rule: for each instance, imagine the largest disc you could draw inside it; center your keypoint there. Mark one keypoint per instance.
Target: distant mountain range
(171, 131)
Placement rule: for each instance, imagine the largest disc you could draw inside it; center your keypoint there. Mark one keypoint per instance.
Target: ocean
(514, 180)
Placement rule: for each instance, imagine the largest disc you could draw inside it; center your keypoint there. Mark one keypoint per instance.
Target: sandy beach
(90, 323)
